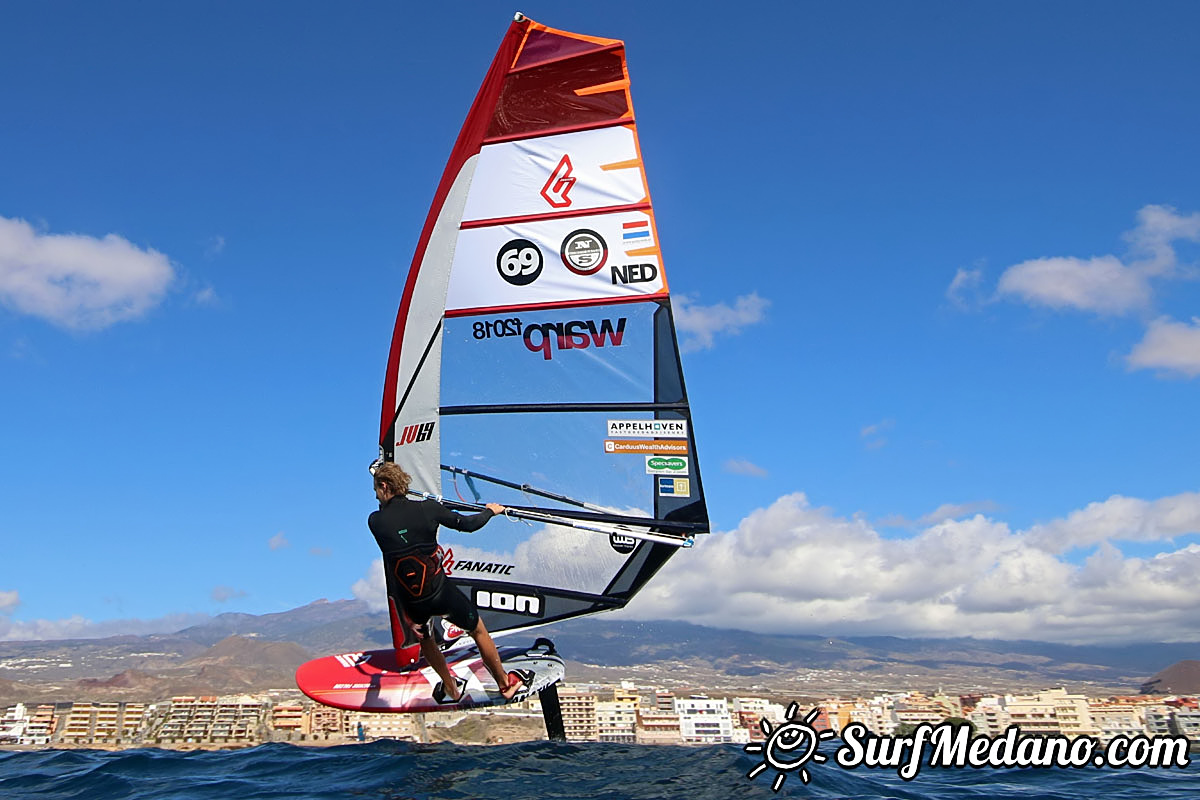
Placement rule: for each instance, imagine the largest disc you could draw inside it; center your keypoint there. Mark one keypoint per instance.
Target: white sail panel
(554, 261)
(419, 377)
(553, 174)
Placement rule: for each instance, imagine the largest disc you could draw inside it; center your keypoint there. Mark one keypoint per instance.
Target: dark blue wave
(532, 771)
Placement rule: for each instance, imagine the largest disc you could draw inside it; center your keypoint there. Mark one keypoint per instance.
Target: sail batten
(535, 345)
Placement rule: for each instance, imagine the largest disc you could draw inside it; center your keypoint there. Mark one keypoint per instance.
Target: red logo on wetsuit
(559, 185)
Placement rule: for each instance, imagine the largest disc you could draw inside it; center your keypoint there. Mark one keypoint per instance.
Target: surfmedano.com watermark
(789, 747)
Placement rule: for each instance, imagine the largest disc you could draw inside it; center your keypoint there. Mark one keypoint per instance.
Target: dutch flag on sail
(636, 235)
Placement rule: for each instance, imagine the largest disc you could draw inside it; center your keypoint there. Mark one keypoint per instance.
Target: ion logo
(621, 543)
(559, 185)
(574, 335)
(584, 252)
(634, 273)
(519, 262)
(530, 605)
(416, 433)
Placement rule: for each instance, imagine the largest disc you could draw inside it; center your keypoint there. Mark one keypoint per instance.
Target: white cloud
(206, 297)
(9, 600)
(278, 541)
(78, 282)
(1150, 241)
(701, 324)
(1169, 346)
(371, 588)
(1111, 286)
(872, 435)
(956, 511)
(79, 627)
(964, 289)
(740, 466)
(1120, 519)
(1103, 285)
(223, 594)
(792, 568)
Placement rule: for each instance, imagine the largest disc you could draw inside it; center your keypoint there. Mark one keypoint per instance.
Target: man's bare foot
(445, 696)
(516, 682)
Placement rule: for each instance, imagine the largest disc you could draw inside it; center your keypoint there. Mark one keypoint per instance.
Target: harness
(420, 572)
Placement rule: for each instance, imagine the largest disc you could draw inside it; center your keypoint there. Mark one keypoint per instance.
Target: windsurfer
(406, 531)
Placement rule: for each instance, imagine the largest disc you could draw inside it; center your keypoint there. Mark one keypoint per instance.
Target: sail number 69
(519, 262)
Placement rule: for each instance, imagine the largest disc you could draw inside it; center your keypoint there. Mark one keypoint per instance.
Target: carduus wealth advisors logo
(559, 185)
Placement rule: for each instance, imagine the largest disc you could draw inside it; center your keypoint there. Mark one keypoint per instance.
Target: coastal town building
(990, 717)
(621, 714)
(234, 721)
(704, 720)
(1115, 719)
(657, 727)
(616, 719)
(578, 714)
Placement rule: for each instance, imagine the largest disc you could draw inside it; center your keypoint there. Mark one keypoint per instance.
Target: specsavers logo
(666, 465)
(789, 748)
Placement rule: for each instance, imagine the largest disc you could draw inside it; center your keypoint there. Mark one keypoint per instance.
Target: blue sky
(935, 265)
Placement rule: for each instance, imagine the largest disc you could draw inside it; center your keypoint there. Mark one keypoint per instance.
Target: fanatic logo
(559, 185)
(349, 660)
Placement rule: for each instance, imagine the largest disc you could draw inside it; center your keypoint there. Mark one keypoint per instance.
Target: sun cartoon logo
(789, 747)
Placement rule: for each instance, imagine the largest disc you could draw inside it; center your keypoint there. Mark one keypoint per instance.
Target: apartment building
(13, 724)
(404, 727)
(989, 716)
(616, 719)
(1036, 714)
(579, 714)
(212, 720)
(1116, 719)
(875, 714)
(657, 727)
(289, 719)
(704, 720)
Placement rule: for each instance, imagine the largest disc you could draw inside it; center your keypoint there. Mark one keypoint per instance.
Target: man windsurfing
(406, 532)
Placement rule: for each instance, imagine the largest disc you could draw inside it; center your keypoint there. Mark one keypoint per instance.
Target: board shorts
(448, 602)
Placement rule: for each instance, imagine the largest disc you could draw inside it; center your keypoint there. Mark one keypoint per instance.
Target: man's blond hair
(391, 476)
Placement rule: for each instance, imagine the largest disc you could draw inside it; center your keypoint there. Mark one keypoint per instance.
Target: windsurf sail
(534, 361)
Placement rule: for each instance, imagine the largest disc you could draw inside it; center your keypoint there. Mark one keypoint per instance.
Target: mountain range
(246, 653)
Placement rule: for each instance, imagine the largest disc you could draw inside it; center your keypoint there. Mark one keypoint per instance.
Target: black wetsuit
(406, 531)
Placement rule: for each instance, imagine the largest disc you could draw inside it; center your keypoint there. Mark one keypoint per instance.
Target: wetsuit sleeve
(460, 522)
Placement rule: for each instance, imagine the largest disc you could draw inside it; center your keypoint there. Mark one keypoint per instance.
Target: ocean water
(532, 771)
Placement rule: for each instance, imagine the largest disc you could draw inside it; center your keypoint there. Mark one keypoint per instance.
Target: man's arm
(464, 522)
